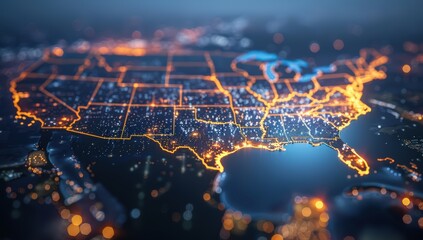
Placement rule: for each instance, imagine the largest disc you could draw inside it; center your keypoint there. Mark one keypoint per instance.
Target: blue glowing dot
(135, 213)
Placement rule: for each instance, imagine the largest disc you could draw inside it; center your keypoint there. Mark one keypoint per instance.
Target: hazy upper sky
(407, 11)
(389, 17)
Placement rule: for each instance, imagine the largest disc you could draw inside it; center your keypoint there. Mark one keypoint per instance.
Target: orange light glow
(306, 212)
(76, 220)
(154, 193)
(58, 51)
(268, 227)
(73, 230)
(65, 213)
(85, 229)
(319, 204)
(407, 219)
(277, 237)
(420, 222)
(406, 68)
(206, 197)
(55, 196)
(228, 224)
(355, 192)
(324, 217)
(108, 232)
(406, 201)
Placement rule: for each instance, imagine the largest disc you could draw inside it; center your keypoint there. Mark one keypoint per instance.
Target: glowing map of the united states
(212, 103)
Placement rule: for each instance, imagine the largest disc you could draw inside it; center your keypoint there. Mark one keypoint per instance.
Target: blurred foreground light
(228, 224)
(58, 51)
(135, 213)
(136, 34)
(73, 230)
(65, 213)
(278, 38)
(420, 222)
(338, 44)
(154, 193)
(277, 237)
(206, 197)
(324, 217)
(314, 47)
(85, 229)
(406, 68)
(108, 232)
(306, 212)
(319, 204)
(407, 219)
(76, 220)
(406, 201)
